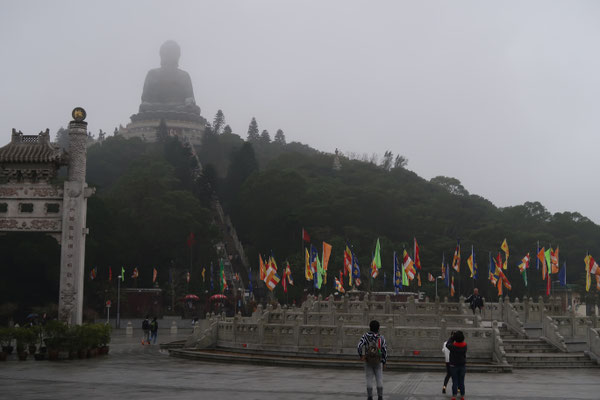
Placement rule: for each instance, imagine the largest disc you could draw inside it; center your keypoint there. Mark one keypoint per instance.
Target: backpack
(373, 351)
(145, 325)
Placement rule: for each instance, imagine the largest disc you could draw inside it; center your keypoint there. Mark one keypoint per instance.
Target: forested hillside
(147, 203)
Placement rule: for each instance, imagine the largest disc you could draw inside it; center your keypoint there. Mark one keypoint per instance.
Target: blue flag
(447, 277)
(562, 275)
(355, 267)
(397, 274)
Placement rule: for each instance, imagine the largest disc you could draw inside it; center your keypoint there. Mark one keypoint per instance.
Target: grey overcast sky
(503, 95)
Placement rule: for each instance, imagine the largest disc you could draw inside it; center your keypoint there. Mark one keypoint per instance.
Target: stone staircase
(537, 353)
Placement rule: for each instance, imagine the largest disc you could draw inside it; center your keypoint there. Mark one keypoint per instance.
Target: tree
(279, 137)
(265, 137)
(253, 131)
(62, 138)
(452, 185)
(219, 122)
(227, 130)
(386, 163)
(400, 161)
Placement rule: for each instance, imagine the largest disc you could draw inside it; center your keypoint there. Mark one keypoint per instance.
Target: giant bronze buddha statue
(168, 90)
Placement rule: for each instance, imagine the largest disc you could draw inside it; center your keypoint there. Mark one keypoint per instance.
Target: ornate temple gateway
(31, 201)
(167, 98)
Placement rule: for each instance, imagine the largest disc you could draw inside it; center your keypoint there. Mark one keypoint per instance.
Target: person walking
(146, 330)
(475, 301)
(375, 357)
(446, 352)
(458, 363)
(153, 330)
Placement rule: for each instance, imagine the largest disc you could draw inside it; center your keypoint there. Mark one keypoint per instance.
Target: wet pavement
(132, 371)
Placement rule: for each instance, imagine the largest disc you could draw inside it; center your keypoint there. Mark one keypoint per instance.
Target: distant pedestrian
(475, 301)
(146, 330)
(375, 357)
(446, 352)
(153, 330)
(458, 363)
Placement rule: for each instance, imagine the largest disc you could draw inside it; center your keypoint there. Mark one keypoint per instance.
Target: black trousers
(448, 375)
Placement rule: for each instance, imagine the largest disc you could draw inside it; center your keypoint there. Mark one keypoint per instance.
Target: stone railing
(551, 334)
(593, 342)
(499, 354)
(513, 322)
(573, 326)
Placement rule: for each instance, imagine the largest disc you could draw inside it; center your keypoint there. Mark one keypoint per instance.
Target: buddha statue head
(169, 54)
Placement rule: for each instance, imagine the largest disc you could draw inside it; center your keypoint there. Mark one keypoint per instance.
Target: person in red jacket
(458, 362)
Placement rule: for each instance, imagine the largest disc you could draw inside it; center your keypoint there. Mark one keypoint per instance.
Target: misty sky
(502, 95)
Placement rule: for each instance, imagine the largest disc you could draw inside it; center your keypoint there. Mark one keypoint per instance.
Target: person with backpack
(458, 362)
(375, 357)
(153, 330)
(146, 330)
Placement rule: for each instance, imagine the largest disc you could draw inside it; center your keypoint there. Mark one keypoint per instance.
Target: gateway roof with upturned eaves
(31, 149)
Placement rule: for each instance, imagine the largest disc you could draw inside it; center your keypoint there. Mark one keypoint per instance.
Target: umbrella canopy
(191, 297)
(32, 315)
(218, 297)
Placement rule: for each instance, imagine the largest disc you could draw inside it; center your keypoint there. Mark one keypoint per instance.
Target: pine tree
(253, 131)
(218, 122)
(280, 137)
(227, 130)
(265, 137)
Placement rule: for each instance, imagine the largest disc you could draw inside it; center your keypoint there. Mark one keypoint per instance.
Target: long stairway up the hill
(537, 353)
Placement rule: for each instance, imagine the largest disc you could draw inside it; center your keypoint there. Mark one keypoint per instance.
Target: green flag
(548, 261)
(122, 273)
(405, 281)
(320, 273)
(222, 281)
(524, 273)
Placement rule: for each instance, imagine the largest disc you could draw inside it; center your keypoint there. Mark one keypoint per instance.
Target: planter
(53, 355)
(39, 356)
(3, 356)
(7, 349)
(22, 356)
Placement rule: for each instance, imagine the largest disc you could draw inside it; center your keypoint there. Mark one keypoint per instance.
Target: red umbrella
(191, 297)
(218, 297)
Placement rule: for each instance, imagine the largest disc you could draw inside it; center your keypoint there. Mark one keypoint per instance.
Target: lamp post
(436, 279)
(119, 301)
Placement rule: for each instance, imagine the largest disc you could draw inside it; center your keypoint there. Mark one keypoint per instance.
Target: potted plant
(55, 332)
(23, 337)
(7, 339)
(104, 331)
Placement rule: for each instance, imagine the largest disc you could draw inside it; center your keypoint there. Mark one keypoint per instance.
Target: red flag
(416, 253)
(191, 240)
(305, 236)
(430, 277)
(109, 274)
(154, 273)
(548, 283)
(284, 281)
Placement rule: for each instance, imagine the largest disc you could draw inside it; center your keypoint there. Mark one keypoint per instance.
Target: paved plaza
(132, 372)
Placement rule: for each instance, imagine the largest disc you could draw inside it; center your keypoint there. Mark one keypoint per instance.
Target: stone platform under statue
(168, 96)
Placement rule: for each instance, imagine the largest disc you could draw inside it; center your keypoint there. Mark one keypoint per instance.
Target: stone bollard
(173, 328)
(129, 329)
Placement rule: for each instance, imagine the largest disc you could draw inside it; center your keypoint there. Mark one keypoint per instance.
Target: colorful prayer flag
(122, 274)
(408, 266)
(154, 273)
(416, 254)
(355, 270)
(376, 262)
(109, 274)
(93, 274)
(288, 274)
(326, 254)
(504, 247)
(523, 268)
(135, 274)
(222, 279)
(338, 286)
(191, 239)
(263, 269)
(397, 274)
(348, 264)
(554, 260)
(203, 274)
(419, 279)
(272, 278)
(187, 277)
(307, 270)
(430, 277)
(452, 287)
(541, 256)
(456, 258)
(470, 262)
(562, 275)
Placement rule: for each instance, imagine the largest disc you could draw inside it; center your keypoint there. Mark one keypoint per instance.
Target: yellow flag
(588, 278)
(504, 248)
(307, 270)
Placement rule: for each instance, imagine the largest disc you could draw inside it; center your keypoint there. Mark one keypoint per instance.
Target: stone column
(72, 255)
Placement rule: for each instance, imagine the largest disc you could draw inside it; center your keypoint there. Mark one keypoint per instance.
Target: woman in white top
(446, 352)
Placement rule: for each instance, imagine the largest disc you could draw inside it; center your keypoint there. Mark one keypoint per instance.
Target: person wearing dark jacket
(458, 362)
(475, 301)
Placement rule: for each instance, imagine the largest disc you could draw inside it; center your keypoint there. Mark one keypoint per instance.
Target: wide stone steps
(528, 346)
(546, 360)
(323, 361)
